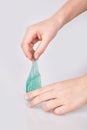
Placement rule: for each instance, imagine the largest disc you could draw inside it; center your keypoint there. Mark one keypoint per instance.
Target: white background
(65, 58)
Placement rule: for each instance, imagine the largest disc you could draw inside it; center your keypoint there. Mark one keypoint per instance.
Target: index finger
(38, 92)
(28, 43)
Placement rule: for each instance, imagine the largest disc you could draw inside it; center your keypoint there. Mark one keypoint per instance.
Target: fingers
(52, 104)
(41, 48)
(28, 50)
(41, 98)
(28, 42)
(33, 34)
(37, 92)
(62, 110)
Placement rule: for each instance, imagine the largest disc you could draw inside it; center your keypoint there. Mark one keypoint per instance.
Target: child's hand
(61, 97)
(44, 31)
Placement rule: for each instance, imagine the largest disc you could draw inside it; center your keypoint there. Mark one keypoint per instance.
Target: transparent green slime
(34, 80)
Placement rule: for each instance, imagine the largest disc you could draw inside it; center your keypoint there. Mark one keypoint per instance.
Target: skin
(65, 96)
(61, 97)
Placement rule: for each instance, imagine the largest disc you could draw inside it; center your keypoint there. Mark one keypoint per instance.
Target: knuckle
(23, 45)
(37, 100)
(30, 95)
(46, 107)
(39, 97)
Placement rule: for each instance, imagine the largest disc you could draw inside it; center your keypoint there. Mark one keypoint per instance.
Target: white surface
(67, 57)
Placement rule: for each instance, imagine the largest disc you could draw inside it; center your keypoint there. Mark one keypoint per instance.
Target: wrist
(57, 21)
(68, 11)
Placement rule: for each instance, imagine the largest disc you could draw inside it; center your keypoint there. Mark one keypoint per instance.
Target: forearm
(69, 11)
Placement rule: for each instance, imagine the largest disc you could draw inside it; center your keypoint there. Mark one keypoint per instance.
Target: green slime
(34, 79)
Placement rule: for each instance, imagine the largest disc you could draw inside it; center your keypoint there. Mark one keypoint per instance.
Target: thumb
(41, 48)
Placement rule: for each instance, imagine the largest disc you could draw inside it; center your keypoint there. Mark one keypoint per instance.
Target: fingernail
(26, 96)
